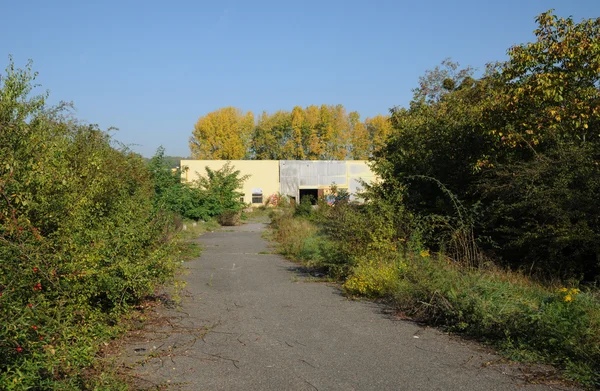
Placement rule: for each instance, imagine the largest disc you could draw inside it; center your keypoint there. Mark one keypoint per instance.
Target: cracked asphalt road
(250, 321)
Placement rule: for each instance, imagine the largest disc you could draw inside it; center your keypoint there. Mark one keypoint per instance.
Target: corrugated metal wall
(298, 174)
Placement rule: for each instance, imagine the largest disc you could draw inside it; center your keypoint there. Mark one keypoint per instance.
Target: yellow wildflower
(568, 298)
(564, 290)
(424, 253)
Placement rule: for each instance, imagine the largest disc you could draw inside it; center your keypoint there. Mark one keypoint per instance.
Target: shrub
(214, 195)
(229, 218)
(527, 321)
(362, 246)
(305, 207)
(220, 190)
(171, 194)
(375, 275)
(519, 146)
(80, 240)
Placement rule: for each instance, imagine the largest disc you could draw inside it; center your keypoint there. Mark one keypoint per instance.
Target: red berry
(34, 327)
(19, 349)
(29, 305)
(35, 269)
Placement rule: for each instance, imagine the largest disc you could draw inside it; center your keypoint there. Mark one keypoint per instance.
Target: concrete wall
(264, 174)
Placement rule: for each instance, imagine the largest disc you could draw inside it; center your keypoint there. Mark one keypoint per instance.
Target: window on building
(257, 196)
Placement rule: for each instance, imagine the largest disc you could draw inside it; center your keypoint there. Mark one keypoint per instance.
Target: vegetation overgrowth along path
(250, 320)
(80, 240)
(525, 319)
(487, 215)
(486, 218)
(87, 230)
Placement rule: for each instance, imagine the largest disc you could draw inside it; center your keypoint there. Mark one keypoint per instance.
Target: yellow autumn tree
(379, 129)
(311, 126)
(297, 118)
(360, 143)
(339, 139)
(222, 134)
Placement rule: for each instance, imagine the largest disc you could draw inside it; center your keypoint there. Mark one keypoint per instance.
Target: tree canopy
(222, 134)
(326, 132)
(514, 154)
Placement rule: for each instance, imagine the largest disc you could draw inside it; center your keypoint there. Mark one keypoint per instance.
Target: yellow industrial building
(293, 178)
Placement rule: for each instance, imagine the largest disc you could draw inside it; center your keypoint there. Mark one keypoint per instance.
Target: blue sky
(151, 68)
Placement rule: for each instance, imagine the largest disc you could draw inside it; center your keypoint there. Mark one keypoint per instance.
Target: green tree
(519, 146)
(545, 122)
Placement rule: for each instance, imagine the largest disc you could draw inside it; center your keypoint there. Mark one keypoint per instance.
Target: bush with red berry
(80, 241)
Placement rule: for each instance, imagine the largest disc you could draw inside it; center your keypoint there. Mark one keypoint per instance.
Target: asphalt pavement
(251, 320)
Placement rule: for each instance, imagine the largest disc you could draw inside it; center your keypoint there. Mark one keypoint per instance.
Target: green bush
(305, 207)
(215, 195)
(293, 235)
(80, 239)
(527, 321)
(220, 190)
(519, 149)
(171, 194)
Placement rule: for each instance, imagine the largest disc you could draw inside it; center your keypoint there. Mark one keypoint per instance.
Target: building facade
(293, 178)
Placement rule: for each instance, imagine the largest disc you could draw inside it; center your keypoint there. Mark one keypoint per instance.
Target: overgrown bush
(214, 195)
(220, 190)
(519, 148)
(171, 194)
(80, 240)
(305, 207)
(525, 320)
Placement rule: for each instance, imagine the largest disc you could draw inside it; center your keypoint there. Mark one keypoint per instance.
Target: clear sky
(151, 68)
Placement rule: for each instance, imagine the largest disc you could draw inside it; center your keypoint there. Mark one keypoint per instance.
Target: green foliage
(220, 190)
(305, 207)
(171, 194)
(80, 240)
(295, 236)
(215, 195)
(505, 168)
(518, 150)
(525, 320)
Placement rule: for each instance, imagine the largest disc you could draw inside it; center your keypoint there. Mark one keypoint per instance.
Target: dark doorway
(313, 193)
